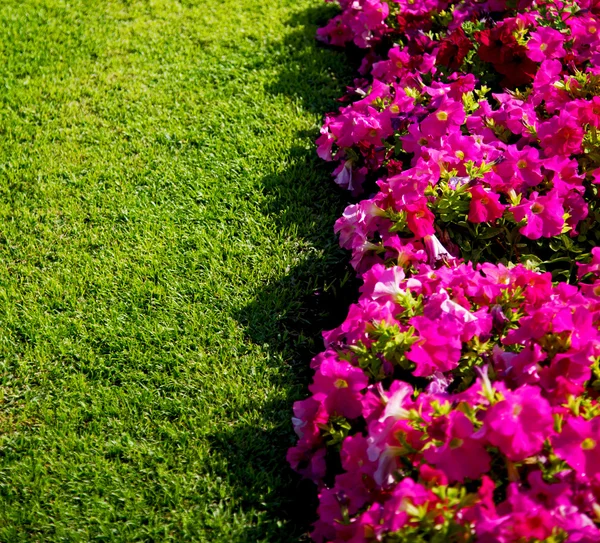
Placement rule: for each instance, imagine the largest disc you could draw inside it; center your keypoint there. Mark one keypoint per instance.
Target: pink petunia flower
(338, 385)
(485, 205)
(461, 455)
(420, 219)
(545, 43)
(578, 444)
(519, 424)
(544, 215)
(561, 135)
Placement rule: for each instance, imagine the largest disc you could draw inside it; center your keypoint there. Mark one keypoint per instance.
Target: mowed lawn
(165, 239)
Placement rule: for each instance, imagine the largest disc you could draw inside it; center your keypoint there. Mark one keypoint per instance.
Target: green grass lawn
(164, 224)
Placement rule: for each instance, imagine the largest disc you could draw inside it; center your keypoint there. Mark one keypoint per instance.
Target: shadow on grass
(290, 314)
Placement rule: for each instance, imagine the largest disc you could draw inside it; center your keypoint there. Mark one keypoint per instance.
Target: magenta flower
(449, 114)
(524, 518)
(406, 492)
(521, 167)
(589, 111)
(561, 135)
(544, 215)
(485, 205)
(329, 523)
(460, 456)
(371, 16)
(338, 385)
(545, 43)
(308, 415)
(578, 444)
(592, 267)
(382, 283)
(420, 219)
(336, 32)
(307, 461)
(519, 424)
(397, 65)
(439, 346)
(543, 84)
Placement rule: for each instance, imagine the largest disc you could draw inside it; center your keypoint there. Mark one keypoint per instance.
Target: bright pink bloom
(578, 444)
(461, 455)
(522, 166)
(338, 385)
(420, 219)
(519, 424)
(589, 111)
(544, 215)
(545, 43)
(438, 348)
(543, 84)
(449, 114)
(381, 283)
(485, 205)
(592, 267)
(561, 135)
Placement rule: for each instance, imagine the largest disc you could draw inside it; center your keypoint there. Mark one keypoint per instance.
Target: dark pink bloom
(354, 455)
(406, 492)
(371, 16)
(348, 177)
(307, 461)
(308, 415)
(336, 32)
(329, 526)
(360, 315)
(543, 84)
(397, 65)
(577, 208)
(524, 519)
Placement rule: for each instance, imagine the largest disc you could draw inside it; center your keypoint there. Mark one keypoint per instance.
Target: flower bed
(458, 400)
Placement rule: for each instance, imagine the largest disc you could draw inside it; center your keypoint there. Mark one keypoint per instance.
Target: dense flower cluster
(458, 400)
(504, 366)
(456, 153)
